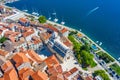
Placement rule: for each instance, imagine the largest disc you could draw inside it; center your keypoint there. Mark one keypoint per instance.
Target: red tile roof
(20, 58)
(26, 34)
(73, 70)
(57, 77)
(24, 20)
(34, 56)
(40, 76)
(55, 69)
(89, 78)
(10, 74)
(66, 74)
(25, 72)
(64, 30)
(6, 65)
(67, 42)
(3, 52)
(51, 27)
(51, 61)
(45, 36)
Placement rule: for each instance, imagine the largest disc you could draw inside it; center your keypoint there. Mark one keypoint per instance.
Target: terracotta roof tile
(10, 74)
(55, 69)
(66, 74)
(34, 56)
(57, 77)
(67, 42)
(20, 58)
(6, 65)
(40, 76)
(24, 20)
(3, 52)
(45, 36)
(25, 72)
(89, 78)
(51, 61)
(64, 30)
(2, 78)
(73, 70)
(51, 27)
(25, 34)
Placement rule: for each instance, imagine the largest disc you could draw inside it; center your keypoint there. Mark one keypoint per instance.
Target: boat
(54, 13)
(100, 43)
(49, 18)
(55, 20)
(119, 59)
(35, 13)
(80, 30)
(62, 22)
(25, 10)
(97, 42)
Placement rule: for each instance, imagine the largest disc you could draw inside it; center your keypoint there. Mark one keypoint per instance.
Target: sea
(99, 19)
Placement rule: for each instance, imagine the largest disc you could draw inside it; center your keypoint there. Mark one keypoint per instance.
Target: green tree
(3, 39)
(42, 19)
(85, 47)
(102, 74)
(76, 44)
(87, 59)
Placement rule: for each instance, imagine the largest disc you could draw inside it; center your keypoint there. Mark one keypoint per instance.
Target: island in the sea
(34, 48)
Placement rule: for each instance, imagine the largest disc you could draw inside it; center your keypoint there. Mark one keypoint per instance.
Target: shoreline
(70, 29)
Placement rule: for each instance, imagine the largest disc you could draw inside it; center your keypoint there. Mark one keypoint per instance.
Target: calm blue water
(102, 24)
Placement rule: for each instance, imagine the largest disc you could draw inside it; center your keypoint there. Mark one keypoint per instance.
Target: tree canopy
(102, 74)
(42, 19)
(85, 58)
(3, 39)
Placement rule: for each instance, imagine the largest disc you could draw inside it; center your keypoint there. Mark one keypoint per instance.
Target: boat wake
(93, 10)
